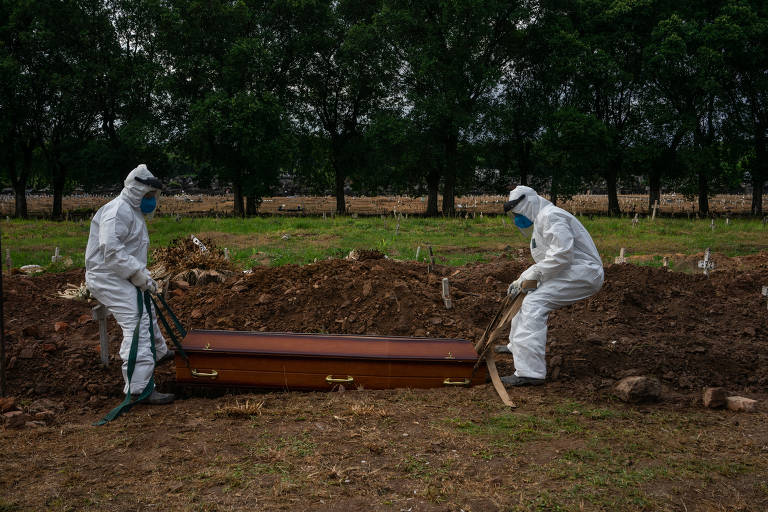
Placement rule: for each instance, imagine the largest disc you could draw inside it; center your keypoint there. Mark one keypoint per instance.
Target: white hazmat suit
(117, 255)
(567, 267)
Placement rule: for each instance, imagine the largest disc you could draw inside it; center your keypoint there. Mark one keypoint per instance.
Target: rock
(741, 404)
(49, 347)
(178, 292)
(27, 353)
(714, 398)
(60, 326)
(264, 298)
(435, 320)
(239, 288)
(7, 404)
(84, 319)
(556, 361)
(31, 331)
(196, 314)
(367, 289)
(180, 285)
(638, 389)
(631, 372)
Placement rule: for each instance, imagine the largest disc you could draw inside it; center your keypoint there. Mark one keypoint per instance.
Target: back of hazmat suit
(567, 267)
(116, 264)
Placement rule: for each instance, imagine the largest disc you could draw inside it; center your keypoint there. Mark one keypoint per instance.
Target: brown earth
(688, 330)
(569, 445)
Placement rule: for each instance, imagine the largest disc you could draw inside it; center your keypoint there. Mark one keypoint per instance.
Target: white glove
(143, 281)
(515, 287)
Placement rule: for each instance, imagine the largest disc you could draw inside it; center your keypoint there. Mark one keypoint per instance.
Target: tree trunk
(237, 191)
(58, 179)
(433, 183)
(613, 196)
(451, 161)
(341, 204)
(654, 185)
(703, 193)
(759, 173)
(251, 205)
(524, 162)
(757, 194)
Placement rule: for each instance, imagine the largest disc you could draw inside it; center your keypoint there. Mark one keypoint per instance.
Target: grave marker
(712, 224)
(56, 257)
(655, 207)
(418, 250)
(8, 261)
(226, 254)
(665, 262)
(198, 243)
(447, 294)
(707, 264)
(765, 293)
(635, 221)
(620, 258)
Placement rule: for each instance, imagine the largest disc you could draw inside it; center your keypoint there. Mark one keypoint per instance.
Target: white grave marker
(55, 256)
(620, 258)
(635, 221)
(226, 253)
(655, 207)
(447, 294)
(765, 292)
(418, 250)
(707, 264)
(198, 243)
(665, 262)
(712, 224)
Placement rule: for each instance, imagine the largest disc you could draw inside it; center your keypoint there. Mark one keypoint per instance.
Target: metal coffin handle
(211, 375)
(451, 382)
(332, 380)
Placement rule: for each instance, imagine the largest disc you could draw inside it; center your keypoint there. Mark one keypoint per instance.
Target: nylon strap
(169, 330)
(126, 404)
(173, 317)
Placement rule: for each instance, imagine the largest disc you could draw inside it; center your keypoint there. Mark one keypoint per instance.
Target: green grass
(301, 240)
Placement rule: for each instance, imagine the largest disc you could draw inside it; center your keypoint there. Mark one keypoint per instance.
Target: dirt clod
(638, 389)
(714, 398)
(741, 404)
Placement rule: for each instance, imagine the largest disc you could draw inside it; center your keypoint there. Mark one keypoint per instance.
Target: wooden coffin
(323, 361)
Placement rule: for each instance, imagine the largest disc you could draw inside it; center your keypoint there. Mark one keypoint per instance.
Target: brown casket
(323, 361)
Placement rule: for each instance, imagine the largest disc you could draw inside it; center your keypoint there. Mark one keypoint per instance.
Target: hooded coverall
(567, 267)
(117, 249)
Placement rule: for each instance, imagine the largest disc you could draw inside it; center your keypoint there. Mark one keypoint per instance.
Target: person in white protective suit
(567, 269)
(116, 265)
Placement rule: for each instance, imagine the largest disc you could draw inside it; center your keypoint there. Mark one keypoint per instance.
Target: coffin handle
(211, 375)
(333, 380)
(450, 382)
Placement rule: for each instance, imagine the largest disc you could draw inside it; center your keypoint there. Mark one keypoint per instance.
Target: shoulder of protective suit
(553, 214)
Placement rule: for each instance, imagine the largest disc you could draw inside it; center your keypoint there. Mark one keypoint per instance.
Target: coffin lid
(327, 345)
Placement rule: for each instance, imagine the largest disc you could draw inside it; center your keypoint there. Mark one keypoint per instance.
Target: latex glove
(531, 274)
(143, 281)
(515, 287)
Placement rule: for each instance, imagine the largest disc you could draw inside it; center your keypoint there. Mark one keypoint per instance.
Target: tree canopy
(437, 97)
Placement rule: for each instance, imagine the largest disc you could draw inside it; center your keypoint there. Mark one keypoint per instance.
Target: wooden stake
(620, 258)
(431, 256)
(418, 250)
(765, 293)
(447, 294)
(655, 206)
(635, 221)
(100, 314)
(8, 261)
(226, 254)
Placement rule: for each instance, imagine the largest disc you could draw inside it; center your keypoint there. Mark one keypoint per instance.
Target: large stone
(741, 404)
(638, 389)
(714, 398)
(16, 419)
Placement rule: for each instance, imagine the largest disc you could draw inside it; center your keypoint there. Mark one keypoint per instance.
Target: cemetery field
(455, 241)
(570, 445)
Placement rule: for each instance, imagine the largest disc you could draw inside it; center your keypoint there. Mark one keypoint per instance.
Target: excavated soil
(687, 330)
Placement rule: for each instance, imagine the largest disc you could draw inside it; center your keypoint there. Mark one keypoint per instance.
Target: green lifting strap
(173, 317)
(126, 404)
(168, 327)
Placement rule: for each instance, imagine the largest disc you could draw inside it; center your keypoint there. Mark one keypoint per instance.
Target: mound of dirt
(687, 330)
(183, 254)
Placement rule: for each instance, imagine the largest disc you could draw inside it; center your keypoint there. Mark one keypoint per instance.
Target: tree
(345, 76)
(453, 55)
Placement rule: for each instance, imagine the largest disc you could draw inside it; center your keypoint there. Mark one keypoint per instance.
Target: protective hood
(139, 183)
(527, 202)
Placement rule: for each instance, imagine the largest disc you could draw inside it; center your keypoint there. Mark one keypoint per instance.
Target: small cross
(620, 258)
(635, 221)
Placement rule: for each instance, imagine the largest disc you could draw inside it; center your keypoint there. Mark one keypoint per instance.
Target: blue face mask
(148, 204)
(522, 221)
